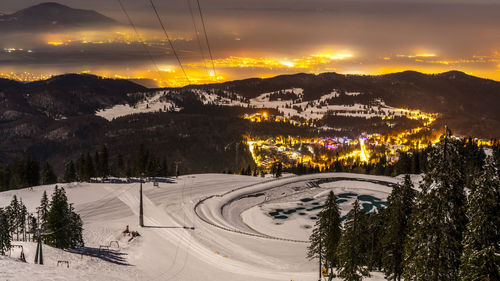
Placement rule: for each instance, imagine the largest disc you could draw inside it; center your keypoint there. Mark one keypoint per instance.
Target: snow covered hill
(289, 103)
(198, 227)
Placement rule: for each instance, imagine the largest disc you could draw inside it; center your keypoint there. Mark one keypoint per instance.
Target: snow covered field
(199, 227)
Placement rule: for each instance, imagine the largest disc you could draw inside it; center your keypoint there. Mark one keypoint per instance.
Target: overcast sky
(268, 37)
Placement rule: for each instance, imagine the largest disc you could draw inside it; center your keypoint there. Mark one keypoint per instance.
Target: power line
(206, 37)
(197, 35)
(140, 39)
(169, 41)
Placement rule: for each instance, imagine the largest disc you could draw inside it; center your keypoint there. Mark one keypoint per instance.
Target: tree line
(55, 219)
(446, 230)
(26, 172)
(86, 167)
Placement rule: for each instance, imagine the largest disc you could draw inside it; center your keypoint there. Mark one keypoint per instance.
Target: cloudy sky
(262, 38)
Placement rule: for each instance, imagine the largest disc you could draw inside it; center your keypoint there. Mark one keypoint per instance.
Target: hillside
(60, 118)
(185, 236)
(52, 16)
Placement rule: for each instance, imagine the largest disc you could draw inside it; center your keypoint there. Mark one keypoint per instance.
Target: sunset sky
(263, 38)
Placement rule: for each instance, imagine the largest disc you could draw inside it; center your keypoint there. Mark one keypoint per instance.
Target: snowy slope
(164, 100)
(169, 249)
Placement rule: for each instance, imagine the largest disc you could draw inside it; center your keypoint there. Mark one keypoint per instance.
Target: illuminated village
(322, 152)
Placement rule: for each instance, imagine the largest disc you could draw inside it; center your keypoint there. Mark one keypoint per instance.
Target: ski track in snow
(168, 248)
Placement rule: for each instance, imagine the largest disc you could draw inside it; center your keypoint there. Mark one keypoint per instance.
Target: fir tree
(481, 255)
(48, 176)
(43, 210)
(89, 171)
(120, 165)
(326, 234)
(32, 172)
(13, 211)
(350, 252)
(104, 161)
(69, 172)
(373, 226)
(433, 248)
(21, 219)
(4, 232)
(400, 204)
(5, 175)
(63, 223)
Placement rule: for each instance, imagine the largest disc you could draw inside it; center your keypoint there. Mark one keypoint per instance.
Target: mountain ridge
(52, 15)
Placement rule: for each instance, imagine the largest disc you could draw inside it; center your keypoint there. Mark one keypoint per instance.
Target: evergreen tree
(326, 235)
(5, 175)
(104, 161)
(350, 252)
(496, 155)
(69, 172)
(4, 232)
(48, 176)
(433, 248)
(32, 172)
(89, 171)
(372, 225)
(481, 255)
(21, 219)
(63, 223)
(81, 168)
(400, 204)
(19, 176)
(43, 210)
(97, 165)
(13, 211)
(120, 165)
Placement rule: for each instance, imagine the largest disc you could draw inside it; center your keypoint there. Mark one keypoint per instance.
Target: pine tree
(44, 210)
(63, 223)
(104, 160)
(32, 171)
(69, 172)
(326, 234)
(13, 211)
(97, 165)
(400, 204)
(481, 255)
(21, 219)
(350, 252)
(89, 171)
(120, 165)
(81, 168)
(48, 176)
(18, 178)
(4, 232)
(433, 248)
(373, 227)
(5, 175)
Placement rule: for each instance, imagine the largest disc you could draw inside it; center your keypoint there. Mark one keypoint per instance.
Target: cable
(197, 36)
(169, 41)
(140, 39)
(206, 38)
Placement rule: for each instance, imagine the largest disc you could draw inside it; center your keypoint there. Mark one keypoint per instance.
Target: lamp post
(141, 209)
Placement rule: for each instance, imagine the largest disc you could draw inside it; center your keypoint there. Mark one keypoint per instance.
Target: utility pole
(39, 252)
(141, 209)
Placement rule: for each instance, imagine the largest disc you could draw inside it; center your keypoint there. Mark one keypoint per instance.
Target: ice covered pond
(293, 214)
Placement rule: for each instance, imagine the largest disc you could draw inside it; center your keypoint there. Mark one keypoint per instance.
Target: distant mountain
(467, 103)
(51, 15)
(62, 96)
(59, 118)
